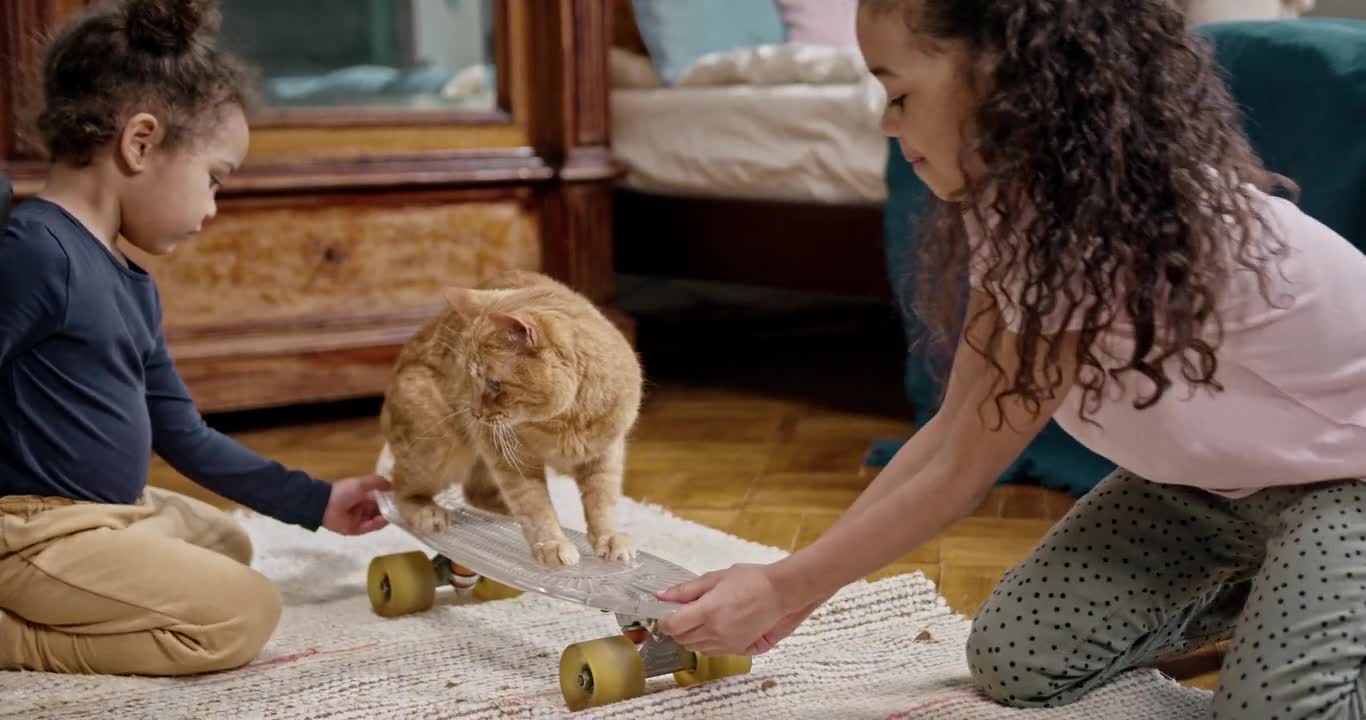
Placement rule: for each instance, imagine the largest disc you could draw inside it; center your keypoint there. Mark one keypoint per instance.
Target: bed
(762, 166)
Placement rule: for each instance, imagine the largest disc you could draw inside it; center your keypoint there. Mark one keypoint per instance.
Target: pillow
(1200, 12)
(631, 70)
(820, 22)
(678, 32)
(787, 64)
(1301, 87)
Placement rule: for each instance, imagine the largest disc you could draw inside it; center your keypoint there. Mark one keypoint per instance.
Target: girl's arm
(219, 463)
(937, 481)
(33, 292)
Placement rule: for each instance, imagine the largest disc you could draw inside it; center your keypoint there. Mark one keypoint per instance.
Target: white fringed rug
(333, 658)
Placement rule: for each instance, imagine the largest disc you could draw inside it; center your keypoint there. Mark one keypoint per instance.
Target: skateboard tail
(384, 465)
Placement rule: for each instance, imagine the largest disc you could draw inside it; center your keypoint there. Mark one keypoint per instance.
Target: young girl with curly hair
(1131, 270)
(143, 119)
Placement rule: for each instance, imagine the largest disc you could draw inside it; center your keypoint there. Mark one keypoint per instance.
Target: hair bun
(169, 27)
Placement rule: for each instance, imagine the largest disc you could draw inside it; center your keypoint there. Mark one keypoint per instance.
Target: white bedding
(778, 122)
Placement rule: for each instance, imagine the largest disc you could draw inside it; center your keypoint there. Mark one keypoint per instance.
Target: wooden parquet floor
(756, 424)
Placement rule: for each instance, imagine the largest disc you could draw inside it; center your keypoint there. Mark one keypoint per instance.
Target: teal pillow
(1301, 85)
(678, 32)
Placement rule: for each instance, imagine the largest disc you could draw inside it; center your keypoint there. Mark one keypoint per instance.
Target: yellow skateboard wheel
(710, 668)
(401, 584)
(486, 589)
(601, 672)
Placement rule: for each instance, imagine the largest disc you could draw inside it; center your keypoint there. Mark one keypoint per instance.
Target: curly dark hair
(1131, 190)
(130, 56)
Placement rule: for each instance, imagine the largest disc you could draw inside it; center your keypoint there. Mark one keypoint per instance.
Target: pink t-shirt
(1293, 408)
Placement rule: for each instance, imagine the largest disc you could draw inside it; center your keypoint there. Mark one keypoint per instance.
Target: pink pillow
(820, 22)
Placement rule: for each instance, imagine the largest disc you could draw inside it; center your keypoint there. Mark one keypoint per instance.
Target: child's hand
(785, 626)
(352, 509)
(728, 611)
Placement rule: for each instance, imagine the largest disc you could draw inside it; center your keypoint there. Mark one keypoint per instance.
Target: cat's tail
(385, 464)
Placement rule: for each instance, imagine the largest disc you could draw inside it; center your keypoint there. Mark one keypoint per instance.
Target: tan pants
(158, 588)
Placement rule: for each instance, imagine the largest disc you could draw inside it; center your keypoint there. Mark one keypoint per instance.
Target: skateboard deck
(493, 546)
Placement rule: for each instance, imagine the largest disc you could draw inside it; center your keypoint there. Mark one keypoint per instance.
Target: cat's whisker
(504, 444)
(509, 436)
(508, 445)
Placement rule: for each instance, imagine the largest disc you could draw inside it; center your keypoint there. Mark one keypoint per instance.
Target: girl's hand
(726, 612)
(352, 510)
(785, 626)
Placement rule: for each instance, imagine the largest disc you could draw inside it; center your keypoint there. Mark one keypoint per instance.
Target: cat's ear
(464, 301)
(520, 332)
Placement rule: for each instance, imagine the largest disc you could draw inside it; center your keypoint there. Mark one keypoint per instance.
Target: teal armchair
(1302, 88)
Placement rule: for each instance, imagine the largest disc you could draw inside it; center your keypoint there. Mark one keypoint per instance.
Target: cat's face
(516, 370)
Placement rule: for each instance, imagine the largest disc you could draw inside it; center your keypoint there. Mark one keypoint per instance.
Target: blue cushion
(1301, 85)
(678, 32)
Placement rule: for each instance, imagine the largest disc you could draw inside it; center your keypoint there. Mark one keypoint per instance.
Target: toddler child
(143, 120)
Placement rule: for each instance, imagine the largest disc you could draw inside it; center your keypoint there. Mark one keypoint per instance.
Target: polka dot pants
(1138, 571)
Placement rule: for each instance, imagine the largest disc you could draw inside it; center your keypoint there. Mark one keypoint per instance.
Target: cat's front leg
(426, 451)
(420, 474)
(600, 482)
(528, 499)
(422, 513)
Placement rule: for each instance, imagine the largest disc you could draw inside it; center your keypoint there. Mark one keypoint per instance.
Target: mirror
(367, 54)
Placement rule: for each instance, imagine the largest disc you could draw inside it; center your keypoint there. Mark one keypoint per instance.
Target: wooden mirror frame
(552, 70)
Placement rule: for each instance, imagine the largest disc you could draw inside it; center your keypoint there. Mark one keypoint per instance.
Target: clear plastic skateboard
(486, 555)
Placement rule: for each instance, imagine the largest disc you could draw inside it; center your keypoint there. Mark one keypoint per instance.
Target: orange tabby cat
(520, 374)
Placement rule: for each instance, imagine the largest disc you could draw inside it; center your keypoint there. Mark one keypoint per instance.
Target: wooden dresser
(333, 242)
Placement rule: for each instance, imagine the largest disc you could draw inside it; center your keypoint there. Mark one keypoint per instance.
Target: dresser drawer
(272, 266)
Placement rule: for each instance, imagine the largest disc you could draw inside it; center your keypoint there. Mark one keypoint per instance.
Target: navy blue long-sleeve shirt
(88, 389)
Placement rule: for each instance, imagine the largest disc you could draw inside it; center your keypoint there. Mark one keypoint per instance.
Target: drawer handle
(334, 256)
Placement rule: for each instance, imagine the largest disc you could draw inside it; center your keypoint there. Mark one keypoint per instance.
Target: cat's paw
(428, 517)
(614, 546)
(555, 552)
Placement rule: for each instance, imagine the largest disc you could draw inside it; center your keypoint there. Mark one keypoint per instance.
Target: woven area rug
(333, 658)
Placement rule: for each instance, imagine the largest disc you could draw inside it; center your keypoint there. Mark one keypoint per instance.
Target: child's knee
(237, 639)
(256, 623)
(1003, 669)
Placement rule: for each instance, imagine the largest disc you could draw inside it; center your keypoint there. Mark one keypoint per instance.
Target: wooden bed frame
(810, 247)
(792, 245)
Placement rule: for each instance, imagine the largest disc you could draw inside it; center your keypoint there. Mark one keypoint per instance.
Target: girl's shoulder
(32, 236)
